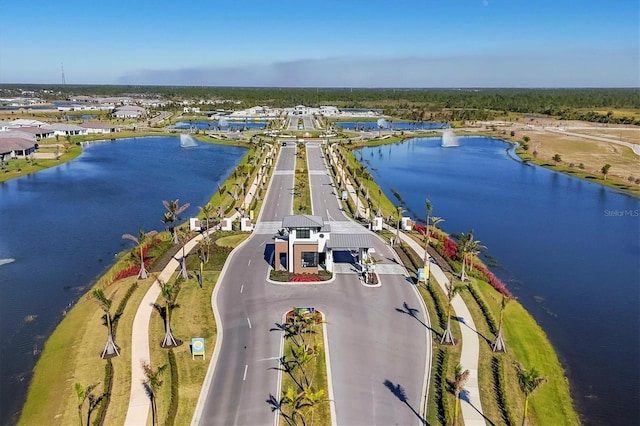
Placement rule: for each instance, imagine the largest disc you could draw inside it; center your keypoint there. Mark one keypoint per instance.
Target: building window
(303, 233)
(309, 259)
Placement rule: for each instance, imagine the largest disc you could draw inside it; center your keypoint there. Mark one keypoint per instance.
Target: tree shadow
(413, 313)
(464, 396)
(485, 338)
(399, 392)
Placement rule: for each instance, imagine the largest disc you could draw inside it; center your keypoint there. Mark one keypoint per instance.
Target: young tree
(169, 293)
(459, 380)
(498, 344)
(110, 348)
(557, 158)
(172, 215)
(206, 210)
(83, 394)
(152, 384)
(605, 171)
(140, 240)
(529, 381)
(447, 336)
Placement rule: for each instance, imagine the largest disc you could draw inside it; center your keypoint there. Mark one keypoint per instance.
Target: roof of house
(64, 127)
(27, 122)
(349, 241)
(34, 130)
(302, 221)
(19, 134)
(98, 125)
(13, 144)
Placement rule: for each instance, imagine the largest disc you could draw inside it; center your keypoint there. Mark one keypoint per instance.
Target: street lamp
(400, 209)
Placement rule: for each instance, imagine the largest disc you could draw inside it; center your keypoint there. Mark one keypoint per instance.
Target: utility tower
(62, 68)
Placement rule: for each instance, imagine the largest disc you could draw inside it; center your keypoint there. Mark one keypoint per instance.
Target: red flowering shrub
(450, 249)
(493, 280)
(304, 278)
(131, 271)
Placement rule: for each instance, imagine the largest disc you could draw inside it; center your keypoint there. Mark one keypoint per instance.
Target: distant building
(130, 111)
(100, 127)
(60, 129)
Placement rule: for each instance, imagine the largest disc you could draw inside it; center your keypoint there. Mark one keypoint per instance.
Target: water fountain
(187, 141)
(449, 139)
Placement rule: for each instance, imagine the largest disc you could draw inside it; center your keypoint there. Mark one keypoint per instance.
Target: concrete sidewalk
(471, 408)
(470, 405)
(139, 402)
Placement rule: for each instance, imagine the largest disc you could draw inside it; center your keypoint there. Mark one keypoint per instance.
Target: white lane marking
(241, 288)
(244, 376)
(249, 321)
(249, 264)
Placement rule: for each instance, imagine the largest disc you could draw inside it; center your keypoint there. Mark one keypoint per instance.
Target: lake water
(568, 249)
(213, 125)
(63, 226)
(370, 126)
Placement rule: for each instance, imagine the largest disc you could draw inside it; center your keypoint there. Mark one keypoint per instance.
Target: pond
(62, 227)
(567, 248)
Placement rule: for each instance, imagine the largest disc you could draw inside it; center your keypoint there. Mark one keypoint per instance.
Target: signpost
(197, 347)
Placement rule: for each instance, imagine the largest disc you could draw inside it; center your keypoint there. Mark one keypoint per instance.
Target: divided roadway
(379, 346)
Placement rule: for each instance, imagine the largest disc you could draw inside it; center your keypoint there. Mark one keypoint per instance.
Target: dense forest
(458, 104)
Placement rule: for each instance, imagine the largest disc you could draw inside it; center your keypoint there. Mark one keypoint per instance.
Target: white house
(60, 129)
(99, 127)
(15, 144)
(329, 111)
(130, 111)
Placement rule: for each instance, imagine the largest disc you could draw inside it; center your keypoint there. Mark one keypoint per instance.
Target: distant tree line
(459, 104)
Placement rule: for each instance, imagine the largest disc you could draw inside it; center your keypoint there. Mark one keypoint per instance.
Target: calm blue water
(392, 125)
(63, 227)
(569, 250)
(213, 125)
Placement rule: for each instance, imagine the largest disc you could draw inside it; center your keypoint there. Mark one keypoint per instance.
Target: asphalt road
(377, 343)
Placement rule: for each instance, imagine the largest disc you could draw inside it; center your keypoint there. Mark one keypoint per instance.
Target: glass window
(309, 259)
(303, 233)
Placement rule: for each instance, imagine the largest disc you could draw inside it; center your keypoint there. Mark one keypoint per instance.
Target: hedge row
(500, 390)
(491, 322)
(175, 385)
(123, 303)
(442, 359)
(106, 395)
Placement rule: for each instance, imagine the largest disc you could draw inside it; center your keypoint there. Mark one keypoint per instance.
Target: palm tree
(206, 211)
(296, 402)
(183, 238)
(529, 381)
(499, 345)
(152, 384)
(467, 247)
(110, 348)
(172, 215)
(169, 293)
(82, 394)
(140, 240)
(452, 290)
(459, 381)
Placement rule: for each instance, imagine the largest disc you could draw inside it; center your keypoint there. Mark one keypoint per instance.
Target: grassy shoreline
(44, 398)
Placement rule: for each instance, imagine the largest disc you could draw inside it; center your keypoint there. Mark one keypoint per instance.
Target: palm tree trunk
(142, 275)
(80, 414)
(154, 411)
(525, 420)
(463, 275)
(456, 409)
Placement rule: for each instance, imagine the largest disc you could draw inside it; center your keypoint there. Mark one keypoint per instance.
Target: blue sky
(326, 43)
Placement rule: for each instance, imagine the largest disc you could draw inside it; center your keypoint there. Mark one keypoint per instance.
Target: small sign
(421, 275)
(197, 347)
(345, 194)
